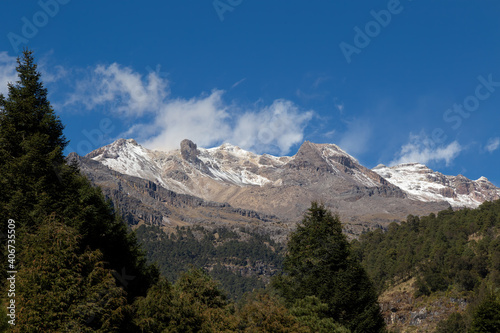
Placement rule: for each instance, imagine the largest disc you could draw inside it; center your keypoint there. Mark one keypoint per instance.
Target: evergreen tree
(319, 263)
(155, 312)
(486, 317)
(262, 312)
(455, 323)
(31, 147)
(310, 312)
(36, 182)
(202, 304)
(62, 289)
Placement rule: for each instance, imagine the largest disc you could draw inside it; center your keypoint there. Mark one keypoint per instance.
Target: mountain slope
(282, 187)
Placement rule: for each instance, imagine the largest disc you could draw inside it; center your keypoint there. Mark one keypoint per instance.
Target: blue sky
(388, 81)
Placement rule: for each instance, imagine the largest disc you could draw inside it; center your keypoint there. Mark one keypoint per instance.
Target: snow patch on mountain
(128, 157)
(199, 171)
(424, 184)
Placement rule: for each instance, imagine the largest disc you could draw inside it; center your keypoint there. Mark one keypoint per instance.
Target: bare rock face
(189, 151)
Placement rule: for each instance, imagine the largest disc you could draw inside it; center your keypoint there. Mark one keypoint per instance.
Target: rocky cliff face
(142, 201)
(270, 186)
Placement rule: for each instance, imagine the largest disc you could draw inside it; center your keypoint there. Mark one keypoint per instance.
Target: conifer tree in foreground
(319, 263)
(31, 147)
(35, 184)
(62, 289)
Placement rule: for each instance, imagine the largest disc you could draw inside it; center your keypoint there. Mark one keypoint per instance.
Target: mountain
(228, 185)
(424, 184)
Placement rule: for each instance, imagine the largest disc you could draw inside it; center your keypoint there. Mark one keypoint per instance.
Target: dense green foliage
(458, 250)
(227, 255)
(455, 251)
(75, 290)
(88, 266)
(486, 316)
(193, 304)
(319, 263)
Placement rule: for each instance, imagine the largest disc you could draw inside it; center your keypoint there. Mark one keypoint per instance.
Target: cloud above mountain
(422, 149)
(161, 121)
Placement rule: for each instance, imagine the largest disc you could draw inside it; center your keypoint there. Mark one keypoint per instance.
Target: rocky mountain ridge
(281, 187)
(422, 183)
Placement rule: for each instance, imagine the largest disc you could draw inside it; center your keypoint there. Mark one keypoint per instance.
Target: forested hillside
(453, 253)
(241, 260)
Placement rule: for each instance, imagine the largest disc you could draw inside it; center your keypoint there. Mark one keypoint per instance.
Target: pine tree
(263, 312)
(61, 288)
(486, 317)
(31, 147)
(155, 312)
(310, 312)
(36, 182)
(319, 263)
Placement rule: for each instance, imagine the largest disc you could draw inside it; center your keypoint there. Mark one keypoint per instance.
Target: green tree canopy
(486, 317)
(63, 289)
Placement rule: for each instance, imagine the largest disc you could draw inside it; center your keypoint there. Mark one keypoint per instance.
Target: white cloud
(207, 119)
(54, 74)
(7, 71)
(275, 128)
(130, 94)
(422, 149)
(493, 144)
(203, 120)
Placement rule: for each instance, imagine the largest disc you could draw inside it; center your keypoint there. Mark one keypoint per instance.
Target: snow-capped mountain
(273, 186)
(188, 169)
(422, 183)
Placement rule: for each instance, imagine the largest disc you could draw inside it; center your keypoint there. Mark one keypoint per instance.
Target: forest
(75, 266)
(241, 261)
(453, 252)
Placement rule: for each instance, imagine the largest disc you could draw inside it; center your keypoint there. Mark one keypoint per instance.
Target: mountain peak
(189, 150)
